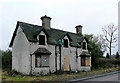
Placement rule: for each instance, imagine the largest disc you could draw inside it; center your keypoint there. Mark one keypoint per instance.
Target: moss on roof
(53, 35)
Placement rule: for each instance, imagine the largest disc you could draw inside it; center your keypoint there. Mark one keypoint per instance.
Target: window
(84, 45)
(82, 61)
(85, 61)
(41, 40)
(66, 43)
(41, 61)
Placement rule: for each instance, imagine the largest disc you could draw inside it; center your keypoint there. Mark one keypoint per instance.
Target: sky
(65, 14)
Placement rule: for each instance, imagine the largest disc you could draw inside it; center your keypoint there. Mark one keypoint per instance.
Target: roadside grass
(56, 77)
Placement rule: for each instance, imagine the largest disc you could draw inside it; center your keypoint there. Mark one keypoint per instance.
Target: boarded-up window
(84, 45)
(45, 60)
(87, 61)
(66, 63)
(41, 40)
(66, 43)
(82, 61)
(41, 60)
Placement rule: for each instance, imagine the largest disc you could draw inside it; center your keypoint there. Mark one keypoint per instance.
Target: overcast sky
(65, 14)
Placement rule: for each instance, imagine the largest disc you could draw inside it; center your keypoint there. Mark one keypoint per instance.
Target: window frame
(40, 61)
(84, 45)
(42, 40)
(66, 43)
(85, 60)
(83, 57)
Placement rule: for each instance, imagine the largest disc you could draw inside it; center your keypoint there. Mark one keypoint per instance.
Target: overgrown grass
(56, 77)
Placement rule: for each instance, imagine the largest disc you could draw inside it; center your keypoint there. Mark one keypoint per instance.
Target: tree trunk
(110, 50)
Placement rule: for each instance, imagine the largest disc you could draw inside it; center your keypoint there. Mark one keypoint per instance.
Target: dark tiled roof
(42, 51)
(53, 35)
(30, 30)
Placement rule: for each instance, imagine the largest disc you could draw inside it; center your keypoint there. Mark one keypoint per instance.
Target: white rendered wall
(20, 53)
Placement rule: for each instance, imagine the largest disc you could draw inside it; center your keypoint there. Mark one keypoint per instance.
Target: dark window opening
(84, 45)
(66, 43)
(82, 61)
(41, 40)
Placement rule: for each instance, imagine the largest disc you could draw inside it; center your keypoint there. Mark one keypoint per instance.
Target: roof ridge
(45, 29)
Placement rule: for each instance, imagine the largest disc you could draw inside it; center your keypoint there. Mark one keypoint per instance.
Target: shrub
(7, 59)
(105, 63)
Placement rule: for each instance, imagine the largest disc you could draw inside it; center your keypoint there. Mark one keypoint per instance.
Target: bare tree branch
(109, 36)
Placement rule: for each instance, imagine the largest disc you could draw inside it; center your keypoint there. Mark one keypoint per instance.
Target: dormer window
(66, 43)
(84, 45)
(41, 40)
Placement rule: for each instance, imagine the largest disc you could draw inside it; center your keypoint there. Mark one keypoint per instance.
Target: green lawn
(54, 77)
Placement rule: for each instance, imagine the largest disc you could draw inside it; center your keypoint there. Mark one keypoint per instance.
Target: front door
(66, 63)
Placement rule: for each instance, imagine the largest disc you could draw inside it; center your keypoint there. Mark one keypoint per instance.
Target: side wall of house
(21, 53)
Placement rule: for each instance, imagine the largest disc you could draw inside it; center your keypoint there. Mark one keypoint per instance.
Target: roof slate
(53, 35)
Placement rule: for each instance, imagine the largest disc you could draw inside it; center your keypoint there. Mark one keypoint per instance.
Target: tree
(107, 56)
(98, 40)
(94, 50)
(109, 36)
(95, 45)
(117, 55)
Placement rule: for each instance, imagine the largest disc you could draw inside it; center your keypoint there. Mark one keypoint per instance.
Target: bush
(105, 63)
(7, 59)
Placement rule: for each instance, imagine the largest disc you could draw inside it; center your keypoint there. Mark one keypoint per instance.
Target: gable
(29, 30)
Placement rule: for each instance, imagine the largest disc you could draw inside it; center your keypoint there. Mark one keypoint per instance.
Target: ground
(55, 77)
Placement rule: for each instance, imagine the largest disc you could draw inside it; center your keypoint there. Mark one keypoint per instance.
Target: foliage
(94, 47)
(117, 55)
(107, 56)
(106, 63)
(7, 59)
(95, 50)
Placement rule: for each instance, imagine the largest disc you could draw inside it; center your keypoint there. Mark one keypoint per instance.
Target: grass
(55, 77)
